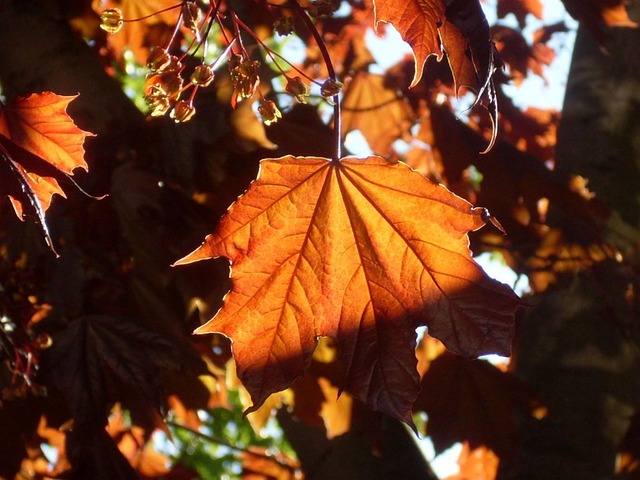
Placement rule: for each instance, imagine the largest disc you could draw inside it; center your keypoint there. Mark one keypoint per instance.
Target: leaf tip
(408, 420)
(417, 74)
(202, 329)
(202, 252)
(207, 328)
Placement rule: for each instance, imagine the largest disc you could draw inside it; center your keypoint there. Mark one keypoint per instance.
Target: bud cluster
(166, 81)
(244, 76)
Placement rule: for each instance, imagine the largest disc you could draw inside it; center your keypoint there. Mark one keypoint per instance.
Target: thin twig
(127, 20)
(225, 443)
(271, 53)
(337, 122)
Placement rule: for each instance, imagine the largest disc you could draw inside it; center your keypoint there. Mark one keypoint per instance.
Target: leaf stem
(337, 122)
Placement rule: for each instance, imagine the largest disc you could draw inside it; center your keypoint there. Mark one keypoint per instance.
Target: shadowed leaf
(98, 359)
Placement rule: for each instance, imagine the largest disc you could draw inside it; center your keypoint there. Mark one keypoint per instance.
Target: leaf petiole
(337, 123)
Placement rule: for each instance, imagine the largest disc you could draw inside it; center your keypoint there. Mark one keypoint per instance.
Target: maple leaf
(461, 64)
(611, 12)
(98, 359)
(362, 251)
(417, 21)
(135, 445)
(40, 124)
(460, 29)
(519, 55)
(431, 26)
(316, 399)
(40, 145)
(595, 13)
(259, 464)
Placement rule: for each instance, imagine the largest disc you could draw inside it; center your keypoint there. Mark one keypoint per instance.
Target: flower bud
(157, 100)
(175, 65)
(158, 60)
(192, 16)
(161, 90)
(331, 88)
(284, 25)
(202, 75)
(269, 112)
(297, 88)
(244, 76)
(43, 341)
(183, 111)
(111, 20)
(171, 82)
(321, 8)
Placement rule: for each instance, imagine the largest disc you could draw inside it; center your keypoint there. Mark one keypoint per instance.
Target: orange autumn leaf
(417, 21)
(40, 124)
(39, 145)
(520, 9)
(336, 410)
(362, 251)
(462, 67)
(431, 27)
(260, 464)
(459, 29)
(617, 16)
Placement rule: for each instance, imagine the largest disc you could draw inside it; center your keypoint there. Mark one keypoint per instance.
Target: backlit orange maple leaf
(39, 144)
(40, 124)
(417, 21)
(362, 251)
(459, 29)
(424, 25)
(476, 464)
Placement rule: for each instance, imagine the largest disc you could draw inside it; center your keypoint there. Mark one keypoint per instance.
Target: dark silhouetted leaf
(98, 360)
(472, 401)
